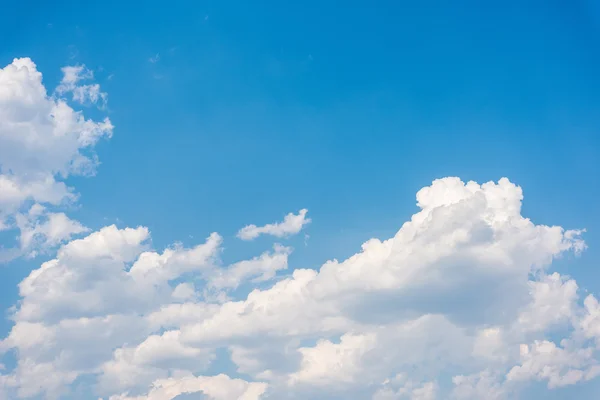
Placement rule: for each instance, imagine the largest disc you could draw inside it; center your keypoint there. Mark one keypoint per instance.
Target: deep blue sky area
(255, 109)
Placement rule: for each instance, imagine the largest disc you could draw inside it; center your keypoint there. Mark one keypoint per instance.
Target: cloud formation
(82, 94)
(461, 303)
(291, 225)
(42, 142)
(387, 322)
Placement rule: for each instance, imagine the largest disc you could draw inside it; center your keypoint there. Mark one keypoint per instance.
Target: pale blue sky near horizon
(229, 113)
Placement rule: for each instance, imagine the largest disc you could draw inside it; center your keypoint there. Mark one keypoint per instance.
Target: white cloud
(258, 269)
(559, 366)
(42, 141)
(176, 261)
(333, 363)
(184, 291)
(82, 94)
(41, 230)
(291, 225)
(490, 344)
(554, 301)
(72, 75)
(220, 387)
(590, 323)
(41, 137)
(139, 366)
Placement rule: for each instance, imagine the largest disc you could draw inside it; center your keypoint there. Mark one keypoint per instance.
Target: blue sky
(227, 114)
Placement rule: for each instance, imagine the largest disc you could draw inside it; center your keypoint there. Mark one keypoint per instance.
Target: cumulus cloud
(42, 141)
(545, 361)
(220, 387)
(459, 303)
(42, 230)
(590, 323)
(481, 385)
(258, 269)
(291, 225)
(332, 363)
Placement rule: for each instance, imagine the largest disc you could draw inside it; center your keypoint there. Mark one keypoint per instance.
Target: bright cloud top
(461, 303)
(291, 225)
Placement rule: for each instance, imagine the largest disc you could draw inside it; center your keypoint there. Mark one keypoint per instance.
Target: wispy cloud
(291, 225)
(154, 59)
(82, 94)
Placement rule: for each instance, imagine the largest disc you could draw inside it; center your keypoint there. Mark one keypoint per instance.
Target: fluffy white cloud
(150, 360)
(220, 387)
(415, 304)
(554, 300)
(559, 366)
(331, 363)
(258, 269)
(41, 230)
(42, 136)
(291, 225)
(42, 141)
(590, 323)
